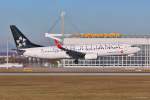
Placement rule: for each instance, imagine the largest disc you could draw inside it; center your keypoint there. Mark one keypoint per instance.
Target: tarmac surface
(74, 74)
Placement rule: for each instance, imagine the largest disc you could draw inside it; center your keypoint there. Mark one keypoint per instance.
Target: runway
(74, 74)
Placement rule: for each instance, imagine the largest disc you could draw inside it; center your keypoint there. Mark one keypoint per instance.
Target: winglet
(58, 44)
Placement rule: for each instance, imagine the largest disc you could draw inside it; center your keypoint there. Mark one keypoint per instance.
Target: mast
(7, 59)
(62, 25)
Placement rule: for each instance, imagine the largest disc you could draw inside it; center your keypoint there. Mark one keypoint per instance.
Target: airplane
(87, 51)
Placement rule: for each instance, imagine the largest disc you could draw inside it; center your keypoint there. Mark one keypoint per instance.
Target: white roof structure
(131, 41)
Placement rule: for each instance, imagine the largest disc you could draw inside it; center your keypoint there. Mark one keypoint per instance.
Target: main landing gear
(76, 61)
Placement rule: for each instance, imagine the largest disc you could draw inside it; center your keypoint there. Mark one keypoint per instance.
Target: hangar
(142, 58)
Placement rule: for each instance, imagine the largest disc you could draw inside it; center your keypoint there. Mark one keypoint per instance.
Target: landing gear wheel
(76, 61)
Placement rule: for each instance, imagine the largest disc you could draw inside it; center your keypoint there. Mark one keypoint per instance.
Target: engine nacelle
(91, 56)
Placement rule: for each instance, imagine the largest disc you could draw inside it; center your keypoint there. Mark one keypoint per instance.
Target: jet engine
(91, 56)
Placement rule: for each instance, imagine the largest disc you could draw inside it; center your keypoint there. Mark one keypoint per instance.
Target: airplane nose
(133, 50)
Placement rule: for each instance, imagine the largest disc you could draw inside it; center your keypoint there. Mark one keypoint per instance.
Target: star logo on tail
(21, 42)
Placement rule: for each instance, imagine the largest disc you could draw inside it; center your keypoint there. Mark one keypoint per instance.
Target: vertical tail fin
(20, 39)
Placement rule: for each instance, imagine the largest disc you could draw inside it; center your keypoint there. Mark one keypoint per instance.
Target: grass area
(74, 87)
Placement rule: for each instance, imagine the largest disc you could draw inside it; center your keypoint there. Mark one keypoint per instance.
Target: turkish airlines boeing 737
(90, 51)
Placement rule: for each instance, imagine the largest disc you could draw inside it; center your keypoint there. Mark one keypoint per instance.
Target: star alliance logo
(21, 42)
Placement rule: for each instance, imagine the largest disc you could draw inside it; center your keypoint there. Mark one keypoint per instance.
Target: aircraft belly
(47, 55)
(55, 55)
(102, 53)
(109, 52)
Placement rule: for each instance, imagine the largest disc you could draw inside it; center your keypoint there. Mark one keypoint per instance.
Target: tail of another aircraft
(20, 40)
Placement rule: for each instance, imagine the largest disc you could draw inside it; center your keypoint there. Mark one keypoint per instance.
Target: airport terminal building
(141, 59)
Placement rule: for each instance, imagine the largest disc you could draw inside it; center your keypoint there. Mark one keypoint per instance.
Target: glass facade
(141, 58)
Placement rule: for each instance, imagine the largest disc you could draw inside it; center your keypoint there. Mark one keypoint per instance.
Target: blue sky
(34, 17)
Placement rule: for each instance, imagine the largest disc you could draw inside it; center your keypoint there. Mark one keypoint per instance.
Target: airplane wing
(71, 53)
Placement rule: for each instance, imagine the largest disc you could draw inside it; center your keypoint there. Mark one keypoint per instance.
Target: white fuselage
(52, 52)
